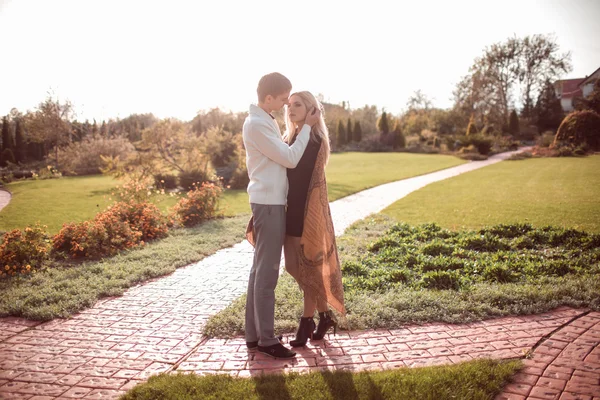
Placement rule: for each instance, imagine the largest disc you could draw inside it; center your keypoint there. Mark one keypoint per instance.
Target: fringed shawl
(319, 267)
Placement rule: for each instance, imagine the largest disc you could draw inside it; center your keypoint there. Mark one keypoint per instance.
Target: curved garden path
(156, 327)
(5, 197)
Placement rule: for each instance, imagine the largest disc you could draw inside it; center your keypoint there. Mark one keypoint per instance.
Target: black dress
(299, 180)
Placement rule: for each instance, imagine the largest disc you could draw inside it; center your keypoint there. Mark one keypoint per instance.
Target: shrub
(354, 268)
(546, 139)
(442, 280)
(6, 157)
(145, 218)
(49, 172)
(437, 248)
(499, 273)
(106, 235)
(199, 205)
(520, 156)
(578, 128)
(481, 143)
(122, 226)
(508, 231)
(23, 252)
(85, 157)
(239, 178)
(165, 181)
(374, 144)
(190, 179)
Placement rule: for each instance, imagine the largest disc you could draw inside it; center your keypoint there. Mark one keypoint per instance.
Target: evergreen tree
(548, 111)
(513, 125)
(349, 135)
(341, 134)
(399, 141)
(382, 124)
(21, 145)
(7, 140)
(357, 132)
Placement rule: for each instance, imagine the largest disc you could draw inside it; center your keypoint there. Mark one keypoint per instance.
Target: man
(267, 158)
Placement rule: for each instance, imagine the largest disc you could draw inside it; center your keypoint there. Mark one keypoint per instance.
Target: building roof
(593, 75)
(570, 87)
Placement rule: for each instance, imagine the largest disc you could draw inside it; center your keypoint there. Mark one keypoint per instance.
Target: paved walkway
(156, 327)
(5, 197)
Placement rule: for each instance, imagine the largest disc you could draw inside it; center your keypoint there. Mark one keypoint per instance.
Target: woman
(310, 250)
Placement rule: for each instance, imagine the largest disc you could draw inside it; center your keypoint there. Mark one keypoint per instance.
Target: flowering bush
(135, 189)
(104, 236)
(46, 173)
(122, 226)
(141, 217)
(199, 205)
(23, 252)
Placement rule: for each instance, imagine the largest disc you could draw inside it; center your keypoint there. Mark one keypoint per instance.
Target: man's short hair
(273, 84)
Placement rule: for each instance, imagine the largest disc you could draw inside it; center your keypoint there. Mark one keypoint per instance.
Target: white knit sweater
(268, 156)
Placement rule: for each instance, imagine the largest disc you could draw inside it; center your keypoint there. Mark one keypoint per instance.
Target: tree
(513, 126)
(548, 112)
(341, 133)
(7, 142)
(418, 100)
(382, 124)
(472, 128)
(540, 62)
(51, 124)
(349, 133)
(357, 132)
(21, 145)
(399, 141)
(489, 88)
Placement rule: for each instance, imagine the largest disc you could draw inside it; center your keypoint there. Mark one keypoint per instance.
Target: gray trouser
(269, 233)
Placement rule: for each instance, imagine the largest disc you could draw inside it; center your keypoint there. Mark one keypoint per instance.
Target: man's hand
(313, 116)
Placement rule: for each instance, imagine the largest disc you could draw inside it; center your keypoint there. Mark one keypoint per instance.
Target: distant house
(569, 90)
(587, 86)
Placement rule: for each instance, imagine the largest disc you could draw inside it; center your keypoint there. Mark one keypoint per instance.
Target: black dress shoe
(254, 345)
(277, 351)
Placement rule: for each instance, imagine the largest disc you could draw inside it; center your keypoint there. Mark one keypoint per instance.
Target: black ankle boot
(305, 331)
(326, 321)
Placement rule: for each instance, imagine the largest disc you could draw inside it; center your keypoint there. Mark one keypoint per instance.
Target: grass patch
(481, 379)
(349, 173)
(563, 192)
(53, 202)
(63, 289)
(395, 274)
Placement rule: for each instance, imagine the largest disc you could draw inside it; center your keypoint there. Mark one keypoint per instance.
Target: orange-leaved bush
(199, 205)
(23, 252)
(122, 226)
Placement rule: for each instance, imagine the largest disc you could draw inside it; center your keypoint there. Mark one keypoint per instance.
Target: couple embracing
(290, 210)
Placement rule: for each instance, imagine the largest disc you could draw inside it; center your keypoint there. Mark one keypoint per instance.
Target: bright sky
(173, 58)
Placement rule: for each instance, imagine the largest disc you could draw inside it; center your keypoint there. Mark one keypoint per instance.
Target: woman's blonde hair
(319, 130)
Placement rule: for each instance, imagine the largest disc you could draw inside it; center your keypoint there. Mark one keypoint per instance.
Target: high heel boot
(326, 321)
(305, 332)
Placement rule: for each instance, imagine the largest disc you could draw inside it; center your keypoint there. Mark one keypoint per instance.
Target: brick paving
(102, 352)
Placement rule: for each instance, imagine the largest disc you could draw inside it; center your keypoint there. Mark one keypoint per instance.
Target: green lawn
(74, 199)
(392, 277)
(481, 379)
(348, 173)
(542, 191)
